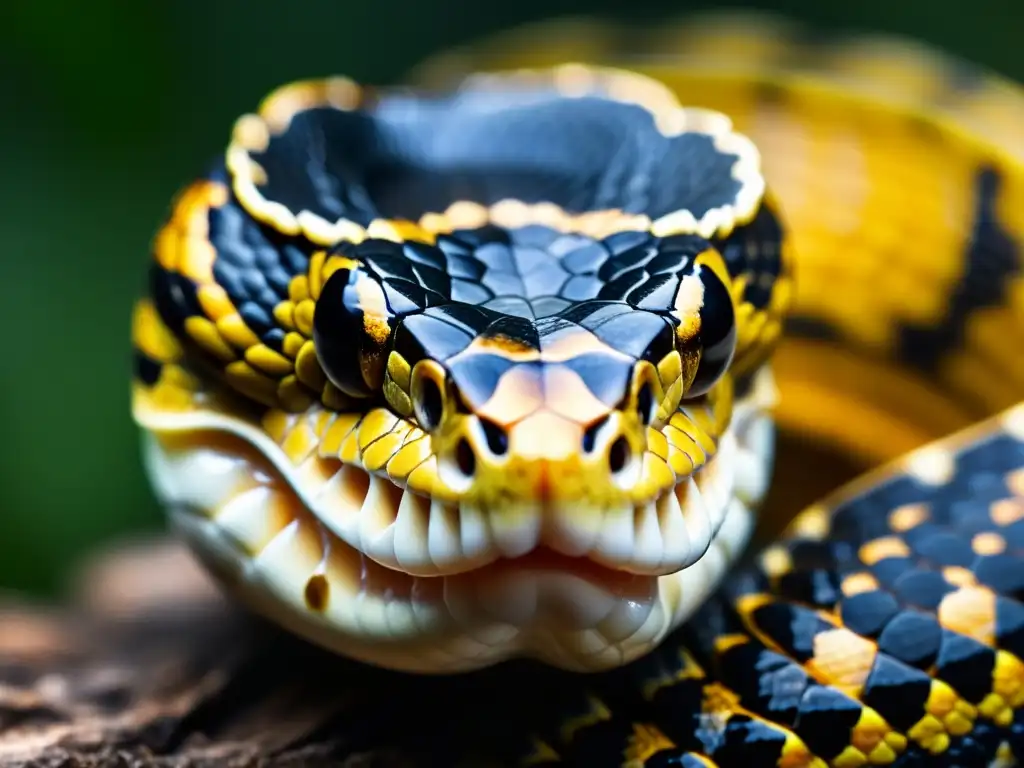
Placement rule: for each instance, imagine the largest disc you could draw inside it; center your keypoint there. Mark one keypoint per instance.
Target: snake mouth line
(408, 534)
(252, 524)
(547, 560)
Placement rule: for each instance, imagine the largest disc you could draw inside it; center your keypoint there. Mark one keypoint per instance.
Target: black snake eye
(717, 335)
(351, 332)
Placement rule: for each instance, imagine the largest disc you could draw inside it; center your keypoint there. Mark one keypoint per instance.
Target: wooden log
(149, 665)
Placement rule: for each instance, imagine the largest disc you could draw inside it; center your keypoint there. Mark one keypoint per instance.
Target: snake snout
(553, 462)
(581, 491)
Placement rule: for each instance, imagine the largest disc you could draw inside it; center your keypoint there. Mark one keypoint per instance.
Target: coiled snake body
(438, 378)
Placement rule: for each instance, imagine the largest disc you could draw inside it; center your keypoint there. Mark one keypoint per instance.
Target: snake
(497, 365)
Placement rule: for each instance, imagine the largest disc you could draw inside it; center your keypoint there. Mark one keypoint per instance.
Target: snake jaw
(657, 517)
(268, 520)
(620, 493)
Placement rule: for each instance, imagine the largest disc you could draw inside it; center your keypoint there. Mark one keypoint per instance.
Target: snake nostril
(497, 440)
(429, 404)
(465, 458)
(618, 455)
(590, 436)
(645, 403)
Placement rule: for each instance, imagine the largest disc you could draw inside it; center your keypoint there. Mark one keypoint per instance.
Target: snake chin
(244, 518)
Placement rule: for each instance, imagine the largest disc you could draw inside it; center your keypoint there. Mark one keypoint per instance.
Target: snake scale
(443, 376)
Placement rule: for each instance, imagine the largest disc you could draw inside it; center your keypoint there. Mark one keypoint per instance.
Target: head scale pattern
(537, 270)
(533, 307)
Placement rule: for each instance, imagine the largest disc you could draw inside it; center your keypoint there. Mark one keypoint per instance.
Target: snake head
(549, 395)
(480, 352)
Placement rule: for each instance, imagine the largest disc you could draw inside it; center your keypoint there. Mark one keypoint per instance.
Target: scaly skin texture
(468, 364)
(886, 627)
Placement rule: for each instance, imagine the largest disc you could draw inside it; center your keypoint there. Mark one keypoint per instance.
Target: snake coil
(437, 378)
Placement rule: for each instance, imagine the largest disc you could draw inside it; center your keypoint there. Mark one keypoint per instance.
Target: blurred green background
(110, 105)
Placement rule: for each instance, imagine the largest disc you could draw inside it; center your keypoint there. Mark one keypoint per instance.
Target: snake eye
(707, 323)
(351, 328)
(717, 333)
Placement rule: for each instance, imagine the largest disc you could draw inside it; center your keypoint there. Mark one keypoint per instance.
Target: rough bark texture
(149, 666)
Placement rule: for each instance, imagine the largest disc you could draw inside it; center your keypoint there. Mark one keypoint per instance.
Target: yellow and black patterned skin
(886, 625)
(886, 628)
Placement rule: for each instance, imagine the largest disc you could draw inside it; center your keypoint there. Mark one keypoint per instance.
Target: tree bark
(149, 665)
